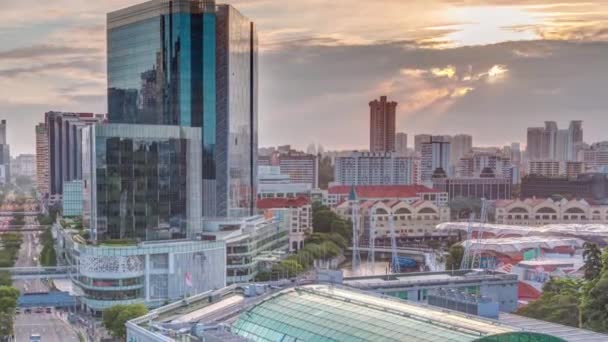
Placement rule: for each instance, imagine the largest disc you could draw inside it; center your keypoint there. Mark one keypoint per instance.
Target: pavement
(49, 326)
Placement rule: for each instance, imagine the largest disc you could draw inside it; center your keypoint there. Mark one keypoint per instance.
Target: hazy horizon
(486, 68)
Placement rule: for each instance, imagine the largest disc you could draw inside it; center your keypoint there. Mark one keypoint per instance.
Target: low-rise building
(408, 193)
(301, 167)
(248, 241)
(500, 287)
(294, 213)
(272, 183)
(490, 188)
(152, 273)
(415, 219)
(589, 185)
(543, 211)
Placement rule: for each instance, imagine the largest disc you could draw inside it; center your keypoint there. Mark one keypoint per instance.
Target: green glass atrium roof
(322, 313)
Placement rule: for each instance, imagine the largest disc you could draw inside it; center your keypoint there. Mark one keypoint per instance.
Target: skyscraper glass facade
(161, 63)
(194, 64)
(237, 109)
(141, 181)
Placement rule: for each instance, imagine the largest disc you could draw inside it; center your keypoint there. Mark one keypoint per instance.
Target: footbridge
(29, 273)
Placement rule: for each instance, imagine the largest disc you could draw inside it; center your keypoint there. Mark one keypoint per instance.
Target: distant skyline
(488, 68)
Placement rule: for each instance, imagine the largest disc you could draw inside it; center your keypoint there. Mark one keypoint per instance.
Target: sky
(489, 68)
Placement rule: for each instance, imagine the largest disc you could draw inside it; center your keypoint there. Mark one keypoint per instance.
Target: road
(29, 255)
(48, 326)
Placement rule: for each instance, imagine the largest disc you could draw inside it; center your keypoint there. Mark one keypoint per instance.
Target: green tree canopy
(593, 260)
(454, 259)
(559, 303)
(115, 317)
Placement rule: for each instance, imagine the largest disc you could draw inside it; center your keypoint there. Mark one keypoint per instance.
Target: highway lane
(49, 326)
(29, 255)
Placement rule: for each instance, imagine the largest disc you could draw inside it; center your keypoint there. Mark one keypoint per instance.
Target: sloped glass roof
(308, 315)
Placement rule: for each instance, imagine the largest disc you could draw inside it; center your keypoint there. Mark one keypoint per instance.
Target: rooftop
(332, 313)
(382, 191)
(273, 203)
(579, 230)
(407, 279)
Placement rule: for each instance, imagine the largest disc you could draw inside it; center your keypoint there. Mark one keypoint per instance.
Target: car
(49, 310)
(28, 310)
(39, 310)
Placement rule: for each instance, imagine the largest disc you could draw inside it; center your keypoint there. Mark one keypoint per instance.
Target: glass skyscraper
(142, 182)
(191, 63)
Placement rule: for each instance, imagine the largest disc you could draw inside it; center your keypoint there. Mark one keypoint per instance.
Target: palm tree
(592, 256)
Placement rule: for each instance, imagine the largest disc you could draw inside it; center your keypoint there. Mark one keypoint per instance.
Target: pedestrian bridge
(25, 228)
(55, 299)
(415, 253)
(29, 273)
(21, 213)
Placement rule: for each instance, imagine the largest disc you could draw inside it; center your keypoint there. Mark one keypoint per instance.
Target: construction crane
(371, 254)
(354, 207)
(471, 250)
(395, 267)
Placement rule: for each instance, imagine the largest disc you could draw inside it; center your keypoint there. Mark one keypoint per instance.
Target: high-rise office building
(42, 159)
(515, 153)
(435, 155)
(551, 143)
(65, 146)
(5, 156)
(401, 143)
(534, 143)
(382, 125)
(460, 145)
(595, 157)
(473, 164)
(196, 67)
(549, 139)
(420, 139)
(575, 139)
(3, 132)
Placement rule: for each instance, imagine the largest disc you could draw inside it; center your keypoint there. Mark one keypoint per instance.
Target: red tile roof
(272, 203)
(382, 191)
(527, 292)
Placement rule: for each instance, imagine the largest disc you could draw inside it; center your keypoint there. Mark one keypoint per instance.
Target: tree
(454, 259)
(326, 172)
(593, 260)
(8, 303)
(594, 307)
(559, 303)
(288, 267)
(115, 317)
(5, 279)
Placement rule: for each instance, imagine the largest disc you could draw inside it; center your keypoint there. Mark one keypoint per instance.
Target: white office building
(272, 183)
(382, 168)
(435, 154)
